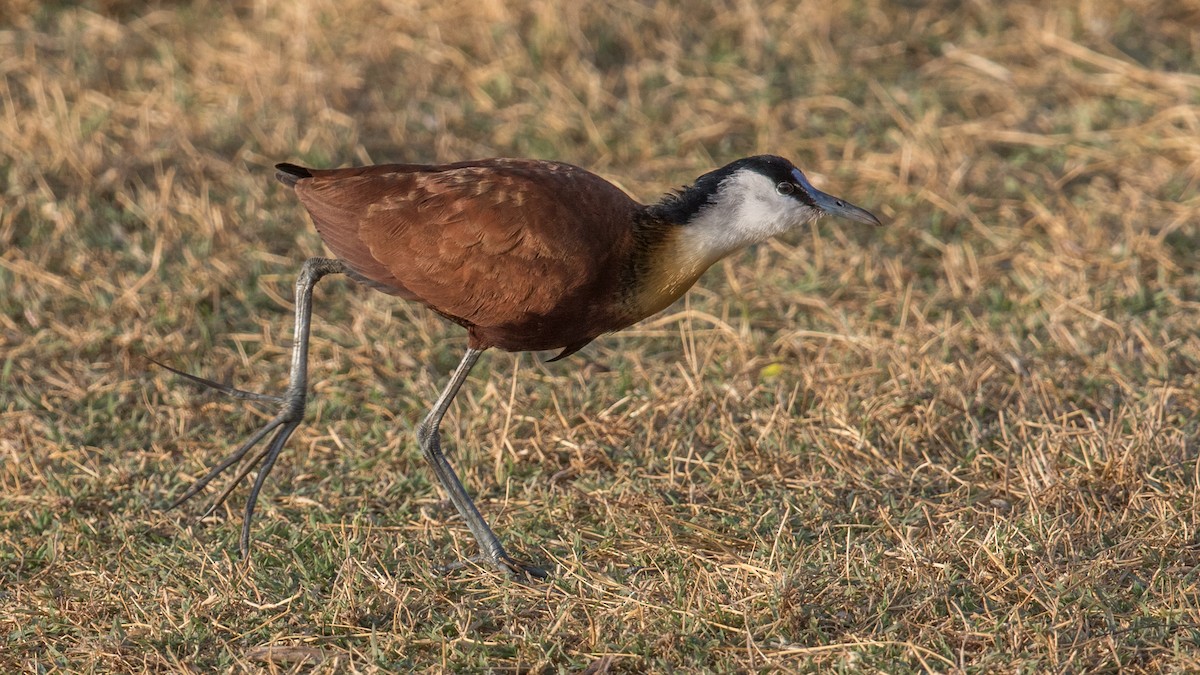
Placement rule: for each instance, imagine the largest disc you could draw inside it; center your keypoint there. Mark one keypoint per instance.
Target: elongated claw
(223, 388)
(271, 454)
(521, 571)
(225, 464)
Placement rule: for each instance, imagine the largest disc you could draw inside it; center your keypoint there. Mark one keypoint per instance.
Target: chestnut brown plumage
(527, 255)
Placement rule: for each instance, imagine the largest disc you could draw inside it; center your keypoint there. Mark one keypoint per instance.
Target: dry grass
(965, 442)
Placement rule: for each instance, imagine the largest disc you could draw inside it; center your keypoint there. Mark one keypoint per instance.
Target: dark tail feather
(289, 174)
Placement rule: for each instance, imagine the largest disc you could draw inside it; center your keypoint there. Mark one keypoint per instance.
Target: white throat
(745, 210)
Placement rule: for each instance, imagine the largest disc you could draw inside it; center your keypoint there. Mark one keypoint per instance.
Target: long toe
(223, 388)
(519, 571)
(511, 567)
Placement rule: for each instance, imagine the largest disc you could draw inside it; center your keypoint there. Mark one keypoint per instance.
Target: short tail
(289, 174)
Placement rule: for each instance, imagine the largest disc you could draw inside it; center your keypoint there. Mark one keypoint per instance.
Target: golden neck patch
(670, 269)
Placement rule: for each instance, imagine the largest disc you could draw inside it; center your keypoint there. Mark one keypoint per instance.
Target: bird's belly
(540, 333)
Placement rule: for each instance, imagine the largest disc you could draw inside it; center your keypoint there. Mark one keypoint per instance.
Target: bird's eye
(785, 188)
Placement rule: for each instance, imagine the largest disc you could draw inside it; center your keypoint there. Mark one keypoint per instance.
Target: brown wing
(504, 245)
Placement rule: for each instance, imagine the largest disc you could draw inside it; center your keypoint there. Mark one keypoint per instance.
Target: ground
(964, 442)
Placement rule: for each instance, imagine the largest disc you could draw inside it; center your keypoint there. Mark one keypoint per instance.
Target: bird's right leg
(291, 408)
(429, 437)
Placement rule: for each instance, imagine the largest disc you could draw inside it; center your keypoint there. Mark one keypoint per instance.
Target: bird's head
(751, 200)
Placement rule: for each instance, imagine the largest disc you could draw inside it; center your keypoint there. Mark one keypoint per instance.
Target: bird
(526, 255)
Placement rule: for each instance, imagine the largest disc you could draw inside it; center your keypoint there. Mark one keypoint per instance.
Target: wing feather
(495, 244)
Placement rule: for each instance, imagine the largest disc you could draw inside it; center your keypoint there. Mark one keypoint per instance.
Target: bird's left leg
(491, 550)
(291, 408)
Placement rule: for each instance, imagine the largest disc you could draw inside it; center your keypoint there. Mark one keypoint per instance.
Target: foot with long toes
(291, 413)
(291, 405)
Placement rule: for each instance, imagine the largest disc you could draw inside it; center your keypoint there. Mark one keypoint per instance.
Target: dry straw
(967, 441)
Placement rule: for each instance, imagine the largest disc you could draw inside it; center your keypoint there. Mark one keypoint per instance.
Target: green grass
(964, 442)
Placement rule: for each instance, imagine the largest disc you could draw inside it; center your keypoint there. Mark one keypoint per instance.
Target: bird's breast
(669, 272)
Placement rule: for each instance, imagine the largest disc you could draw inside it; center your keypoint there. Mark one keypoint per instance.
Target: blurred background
(965, 441)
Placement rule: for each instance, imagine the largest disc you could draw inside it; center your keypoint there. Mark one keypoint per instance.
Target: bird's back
(527, 254)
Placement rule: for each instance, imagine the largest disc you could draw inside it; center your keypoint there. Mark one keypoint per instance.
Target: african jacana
(526, 255)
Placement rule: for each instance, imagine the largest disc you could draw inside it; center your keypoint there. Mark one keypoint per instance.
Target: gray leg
(291, 410)
(429, 438)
